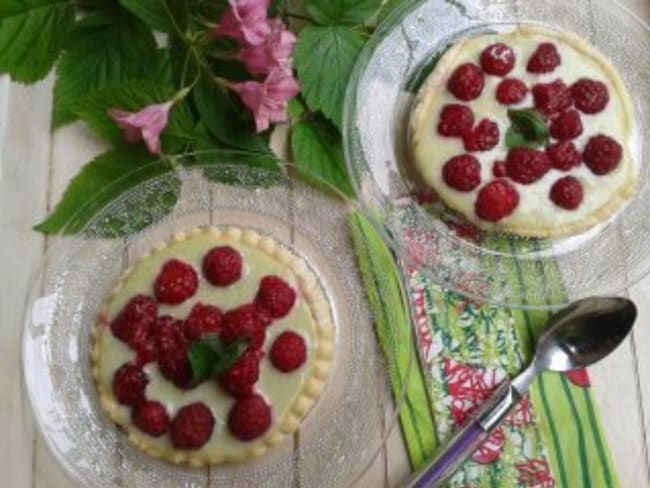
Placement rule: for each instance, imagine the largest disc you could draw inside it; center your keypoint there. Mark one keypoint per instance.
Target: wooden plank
(24, 161)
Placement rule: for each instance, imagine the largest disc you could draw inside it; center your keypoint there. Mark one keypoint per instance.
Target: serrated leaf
(100, 182)
(210, 357)
(317, 148)
(106, 47)
(131, 97)
(32, 33)
(169, 16)
(336, 12)
(324, 58)
(528, 129)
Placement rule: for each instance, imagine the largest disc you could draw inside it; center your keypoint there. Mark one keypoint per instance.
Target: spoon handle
(475, 430)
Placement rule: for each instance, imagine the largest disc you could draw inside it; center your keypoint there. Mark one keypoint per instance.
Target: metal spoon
(577, 336)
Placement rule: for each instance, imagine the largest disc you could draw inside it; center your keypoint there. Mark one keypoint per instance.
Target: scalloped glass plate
(605, 260)
(340, 436)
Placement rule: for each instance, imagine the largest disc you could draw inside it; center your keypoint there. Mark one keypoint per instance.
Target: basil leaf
(528, 129)
(210, 356)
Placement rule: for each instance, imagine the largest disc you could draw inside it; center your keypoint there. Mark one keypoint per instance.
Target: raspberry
(463, 173)
(602, 154)
(496, 200)
(499, 169)
(202, 320)
(172, 352)
(564, 155)
(151, 418)
(545, 59)
(249, 418)
(511, 91)
(275, 296)
(566, 126)
(590, 96)
(243, 322)
(129, 383)
(466, 82)
(176, 282)
(192, 426)
(242, 376)
(526, 165)
(288, 352)
(567, 193)
(455, 120)
(134, 322)
(222, 266)
(553, 98)
(497, 59)
(483, 137)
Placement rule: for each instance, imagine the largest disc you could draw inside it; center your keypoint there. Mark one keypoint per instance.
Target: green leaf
(32, 33)
(418, 78)
(104, 179)
(528, 129)
(336, 12)
(106, 47)
(324, 58)
(317, 148)
(387, 9)
(131, 97)
(169, 16)
(210, 357)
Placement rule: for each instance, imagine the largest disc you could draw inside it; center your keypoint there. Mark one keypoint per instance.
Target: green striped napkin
(553, 438)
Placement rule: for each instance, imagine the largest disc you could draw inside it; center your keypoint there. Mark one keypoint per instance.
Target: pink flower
(268, 100)
(273, 52)
(245, 21)
(146, 124)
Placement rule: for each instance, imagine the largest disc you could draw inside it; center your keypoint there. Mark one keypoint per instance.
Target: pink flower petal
(146, 124)
(274, 52)
(245, 21)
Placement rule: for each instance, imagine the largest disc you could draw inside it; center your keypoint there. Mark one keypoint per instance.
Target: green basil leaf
(528, 129)
(210, 357)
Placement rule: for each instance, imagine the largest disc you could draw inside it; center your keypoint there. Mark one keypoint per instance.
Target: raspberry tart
(527, 132)
(213, 347)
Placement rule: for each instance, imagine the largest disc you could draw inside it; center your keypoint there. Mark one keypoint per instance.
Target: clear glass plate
(337, 440)
(605, 260)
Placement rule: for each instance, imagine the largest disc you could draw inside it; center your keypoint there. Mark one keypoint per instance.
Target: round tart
(527, 132)
(213, 347)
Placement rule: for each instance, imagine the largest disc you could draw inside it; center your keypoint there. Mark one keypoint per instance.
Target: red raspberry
(466, 82)
(244, 322)
(275, 296)
(566, 126)
(249, 418)
(151, 418)
(202, 320)
(602, 154)
(483, 137)
(222, 266)
(192, 426)
(567, 193)
(553, 98)
(511, 91)
(497, 59)
(455, 120)
(129, 383)
(564, 155)
(288, 352)
(526, 165)
(172, 346)
(496, 200)
(545, 59)
(463, 173)
(176, 282)
(499, 169)
(242, 376)
(590, 96)
(134, 322)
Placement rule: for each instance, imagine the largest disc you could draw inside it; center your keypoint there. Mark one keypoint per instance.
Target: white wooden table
(35, 166)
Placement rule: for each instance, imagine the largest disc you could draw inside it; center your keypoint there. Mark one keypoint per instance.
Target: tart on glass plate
(213, 347)
(527, 132)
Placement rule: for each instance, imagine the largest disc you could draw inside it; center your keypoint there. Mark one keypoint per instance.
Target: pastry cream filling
(536, 214)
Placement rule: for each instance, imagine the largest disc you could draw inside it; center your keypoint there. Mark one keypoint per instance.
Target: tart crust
(312, 386)
(436, 82)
